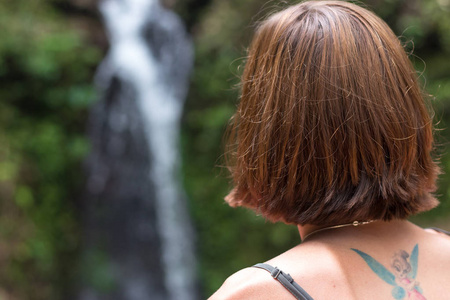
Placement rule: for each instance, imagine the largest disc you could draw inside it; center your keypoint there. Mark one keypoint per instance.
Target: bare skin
(327, 268)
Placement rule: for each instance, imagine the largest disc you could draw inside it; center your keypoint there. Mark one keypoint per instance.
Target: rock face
(138, 240)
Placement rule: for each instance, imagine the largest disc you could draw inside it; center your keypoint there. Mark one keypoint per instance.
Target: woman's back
(371, 262)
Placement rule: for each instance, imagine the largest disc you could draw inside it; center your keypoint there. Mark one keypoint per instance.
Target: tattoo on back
(403, 275)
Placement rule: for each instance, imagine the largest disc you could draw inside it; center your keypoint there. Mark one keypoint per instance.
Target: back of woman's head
(332, 126)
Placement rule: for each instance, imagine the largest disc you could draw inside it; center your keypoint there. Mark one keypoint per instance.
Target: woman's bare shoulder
(250, 283)
(438, 232)
(304, 263)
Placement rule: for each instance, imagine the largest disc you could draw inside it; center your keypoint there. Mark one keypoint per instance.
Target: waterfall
(137, 229)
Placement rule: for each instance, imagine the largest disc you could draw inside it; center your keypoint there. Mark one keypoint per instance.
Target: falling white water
(160, 96)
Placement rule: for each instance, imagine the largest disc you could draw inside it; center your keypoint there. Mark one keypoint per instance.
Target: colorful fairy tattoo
(403, 278)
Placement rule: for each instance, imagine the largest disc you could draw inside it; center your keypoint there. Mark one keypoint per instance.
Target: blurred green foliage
(231, 239)
(45, 89)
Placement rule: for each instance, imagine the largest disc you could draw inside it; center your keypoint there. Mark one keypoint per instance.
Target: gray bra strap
(286, 280)
(440, 230)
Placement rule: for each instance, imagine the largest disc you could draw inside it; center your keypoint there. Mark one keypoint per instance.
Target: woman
(332, 134)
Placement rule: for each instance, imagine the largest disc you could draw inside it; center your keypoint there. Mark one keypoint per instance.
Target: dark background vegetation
(49, 50)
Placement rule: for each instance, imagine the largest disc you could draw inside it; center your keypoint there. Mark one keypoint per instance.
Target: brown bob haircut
(332, 126)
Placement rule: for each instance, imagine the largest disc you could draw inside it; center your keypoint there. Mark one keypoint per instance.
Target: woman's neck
(308, 231)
